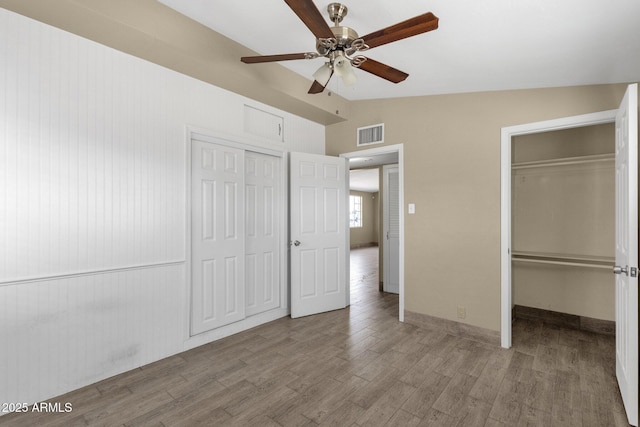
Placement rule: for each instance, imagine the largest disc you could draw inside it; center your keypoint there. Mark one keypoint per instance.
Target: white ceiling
(367, 179)
(479, 46)
(364, 180)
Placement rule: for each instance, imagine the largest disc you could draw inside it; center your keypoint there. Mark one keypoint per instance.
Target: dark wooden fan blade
(317, 87)
(381, 70)
(411, 27)
(310, 15)
(273, 58)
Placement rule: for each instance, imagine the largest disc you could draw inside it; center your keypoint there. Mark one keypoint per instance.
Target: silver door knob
(296, 242)
(620, 270)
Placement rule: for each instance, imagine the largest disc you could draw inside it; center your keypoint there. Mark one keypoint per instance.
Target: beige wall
(566, 210)
(582, 141)
(368, 233)
(452, 174)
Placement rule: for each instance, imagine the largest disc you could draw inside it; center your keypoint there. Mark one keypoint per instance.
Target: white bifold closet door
(262, 229)
(217, 236)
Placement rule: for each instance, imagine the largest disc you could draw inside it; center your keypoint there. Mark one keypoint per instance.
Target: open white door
(319, 233)
(391, 229)
(627, 252)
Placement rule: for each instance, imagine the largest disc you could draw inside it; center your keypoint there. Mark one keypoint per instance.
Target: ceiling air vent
(371, 135)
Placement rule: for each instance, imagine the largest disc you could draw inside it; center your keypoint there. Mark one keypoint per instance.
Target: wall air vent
(368, 135)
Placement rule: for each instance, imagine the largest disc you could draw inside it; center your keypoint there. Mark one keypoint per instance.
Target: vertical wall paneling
(93, 206)
(91, 327)
(88, 155)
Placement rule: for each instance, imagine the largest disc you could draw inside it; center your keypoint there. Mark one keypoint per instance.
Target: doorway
(506, 205)
(392, 154)
(626, 234)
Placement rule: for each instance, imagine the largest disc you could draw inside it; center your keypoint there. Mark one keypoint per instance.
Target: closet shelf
(589, 261)
(596, 158)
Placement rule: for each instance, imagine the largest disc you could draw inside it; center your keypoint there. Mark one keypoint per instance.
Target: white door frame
(507, 134)
(389, 149)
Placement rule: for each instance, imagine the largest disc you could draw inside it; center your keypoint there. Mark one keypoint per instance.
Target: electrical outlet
(462, 312)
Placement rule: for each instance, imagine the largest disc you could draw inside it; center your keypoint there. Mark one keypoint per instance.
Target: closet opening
(562, 225)
(557, 221)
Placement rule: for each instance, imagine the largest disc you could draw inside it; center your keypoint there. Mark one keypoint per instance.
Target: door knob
(621, 270)
(296, 242)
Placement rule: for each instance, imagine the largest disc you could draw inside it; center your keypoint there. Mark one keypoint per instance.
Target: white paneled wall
(61, 333)
(93, 205)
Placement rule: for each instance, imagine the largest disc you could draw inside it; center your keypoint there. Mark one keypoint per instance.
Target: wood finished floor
(360, 367)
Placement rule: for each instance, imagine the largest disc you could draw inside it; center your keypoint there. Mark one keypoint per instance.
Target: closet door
(627, 252)
(217, 236)
(262, 227)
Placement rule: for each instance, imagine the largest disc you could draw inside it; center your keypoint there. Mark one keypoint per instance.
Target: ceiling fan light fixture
(349, 79)
(346, 73)
(323, 74)
(344, 70)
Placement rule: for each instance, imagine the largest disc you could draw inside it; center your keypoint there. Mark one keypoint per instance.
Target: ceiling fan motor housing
(337, 12)
(343, 36)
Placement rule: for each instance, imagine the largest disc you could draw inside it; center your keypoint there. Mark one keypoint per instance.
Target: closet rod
(564, 161)
(560, 262)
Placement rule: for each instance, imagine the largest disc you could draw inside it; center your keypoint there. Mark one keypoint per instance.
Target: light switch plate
(412, 208)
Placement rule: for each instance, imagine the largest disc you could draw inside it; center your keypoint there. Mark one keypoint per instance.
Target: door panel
(217, 236)
(318, 221)
(331, 278)
(627, 251)
(263, 200)
(308, 268)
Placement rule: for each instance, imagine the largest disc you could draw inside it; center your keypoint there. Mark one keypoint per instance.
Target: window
(355, 211)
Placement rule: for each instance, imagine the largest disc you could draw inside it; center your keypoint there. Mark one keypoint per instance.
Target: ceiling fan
(341, 45)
